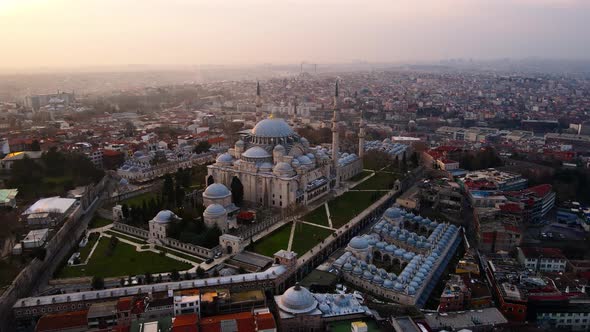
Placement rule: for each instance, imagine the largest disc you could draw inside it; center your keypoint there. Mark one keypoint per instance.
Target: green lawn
(124, 261)
(307, 236)
(360, 176)
(379, 181)
(84, 252)
(348, 205)
(138, 200)
(129, 238)
(317, 216)
(98, 221)
(273, 242)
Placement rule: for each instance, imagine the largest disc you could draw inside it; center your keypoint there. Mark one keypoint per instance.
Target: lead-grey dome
(224, 158)
(272, 128)
(297, 300)
(164, 217)
(216, 190)
(214, 210)
(256, 152)
(358, 242)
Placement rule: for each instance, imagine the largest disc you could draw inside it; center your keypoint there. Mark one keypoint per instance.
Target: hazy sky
(67, 33)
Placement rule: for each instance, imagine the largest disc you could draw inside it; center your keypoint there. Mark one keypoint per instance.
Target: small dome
(214, 210)
(240, 144)
(227, 271)
(390, 248)
(388, 284)
(324, 307)
(216, 190)
(283, 168)
(304, 160)
(358, 242)
(272, 128)
(224, 158)
(265, 166)
(297, 300)
(256, 152)
(367, 275)
(357, 271)
(279, 148)
(392, 213)
(347, 267)
(164, 217)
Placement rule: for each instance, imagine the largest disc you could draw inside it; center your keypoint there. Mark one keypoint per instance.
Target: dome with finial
(297, 300)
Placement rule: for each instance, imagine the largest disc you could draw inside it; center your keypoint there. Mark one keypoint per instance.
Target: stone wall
(131, 230)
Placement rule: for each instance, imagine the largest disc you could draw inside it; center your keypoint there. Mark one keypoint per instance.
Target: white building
(159, 225)
(187, 302)
(542, 259)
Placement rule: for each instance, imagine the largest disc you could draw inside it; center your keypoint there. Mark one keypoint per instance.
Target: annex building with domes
(417, 248)
(300, 310)
(278, 168)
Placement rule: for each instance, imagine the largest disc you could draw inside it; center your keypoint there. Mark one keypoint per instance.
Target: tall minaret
(335, 135)
(258, 103)
(361, 136)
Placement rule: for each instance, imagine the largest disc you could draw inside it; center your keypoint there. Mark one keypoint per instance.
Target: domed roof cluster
(165, 216)
(216, 190)
(297, 300)
(275, 127)
(386, 146)
(346, 158)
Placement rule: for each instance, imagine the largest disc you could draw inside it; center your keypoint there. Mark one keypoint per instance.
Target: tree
(201, 147)
(148, 278)
(35, 146)
(187, 276)
(125, 211)
(200, 272)
(122, 282)
(97, 283)
(414, 159)
(174, 275)
(237, 190)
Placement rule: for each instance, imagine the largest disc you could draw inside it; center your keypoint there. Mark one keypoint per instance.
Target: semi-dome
(272, 128)
(265, 166)
(216, 190)
(282, 168)
(358, 242)
(297, 300)
(256, 152)
(304, 160)
(164, 217)
(214, 210)
(224, 158)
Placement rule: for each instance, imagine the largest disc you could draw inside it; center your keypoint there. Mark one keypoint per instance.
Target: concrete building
(542, 259)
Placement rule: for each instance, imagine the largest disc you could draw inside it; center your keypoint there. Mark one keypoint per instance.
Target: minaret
(258, 103)
(361, 136)
(335, 136)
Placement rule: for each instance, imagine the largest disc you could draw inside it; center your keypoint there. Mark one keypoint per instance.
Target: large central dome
(272, 128)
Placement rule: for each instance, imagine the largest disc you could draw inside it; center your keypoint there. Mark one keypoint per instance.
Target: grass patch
(139, 199)
(129, 238)
(379, 181)
(273, 242)
(346, 206)
(84, 252)
(307, 236)
(317, 216)
(360, 176)
(97, 222)
(124, 261)
(180, 254)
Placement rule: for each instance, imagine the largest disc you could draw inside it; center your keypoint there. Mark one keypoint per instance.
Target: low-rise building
(542, 259)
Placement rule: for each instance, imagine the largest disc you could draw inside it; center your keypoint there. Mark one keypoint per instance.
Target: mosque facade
(278, 168)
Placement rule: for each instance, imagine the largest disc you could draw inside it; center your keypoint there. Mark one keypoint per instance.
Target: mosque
(417, 248)
(277, 168)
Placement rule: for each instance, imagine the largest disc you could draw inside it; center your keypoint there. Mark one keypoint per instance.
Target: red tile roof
(185, 323)
(244, 322)
(57, 322)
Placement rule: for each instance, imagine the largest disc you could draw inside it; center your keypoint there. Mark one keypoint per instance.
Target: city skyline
(109, 33)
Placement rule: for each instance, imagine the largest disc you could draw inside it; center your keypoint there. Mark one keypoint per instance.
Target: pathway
(316, 225)
(91, 252)
(328, 214)
(291, 235)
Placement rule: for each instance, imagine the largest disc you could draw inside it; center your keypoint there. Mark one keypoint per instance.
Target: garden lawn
(86, 250)
(180, 254)
(273, 242)
(379, 181)
(307, 236)
(138, 200)
(360, 176)
(97, 222)
(346, 206)
(124, 261)
(317, 216)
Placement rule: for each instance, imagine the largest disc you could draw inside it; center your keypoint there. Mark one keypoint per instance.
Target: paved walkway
(328, 214)
(316, 225)
(291, 236)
